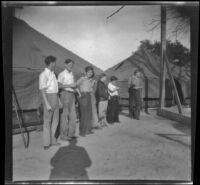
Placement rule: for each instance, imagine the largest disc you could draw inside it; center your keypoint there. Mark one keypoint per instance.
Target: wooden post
(173, 83)
(163, 50)
(194, 36)
(6, 18)
(146, 94)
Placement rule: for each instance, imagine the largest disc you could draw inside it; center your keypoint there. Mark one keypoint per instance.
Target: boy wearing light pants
(49, 89)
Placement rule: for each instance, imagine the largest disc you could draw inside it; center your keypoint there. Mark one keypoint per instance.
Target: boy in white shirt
(113, 101)
(68, 116)
(49, 89)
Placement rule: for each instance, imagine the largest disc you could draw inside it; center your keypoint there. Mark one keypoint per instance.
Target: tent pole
(146, 95)
(174, 85)
(194, 44)
(20, 119)
(163, 50)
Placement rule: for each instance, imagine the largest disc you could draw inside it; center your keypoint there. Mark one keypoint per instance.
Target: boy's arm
(61, 85)
(94, 85)
(59, 102)
(129, 82)
(140, 85)
(79, 93)
(112, 88)
(79, 82)
(45, 100)
(43, 87)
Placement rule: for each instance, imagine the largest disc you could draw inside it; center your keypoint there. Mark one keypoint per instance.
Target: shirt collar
(102, 82)
(85, 77)
(48, 70)
(111, 84)
(70, 72)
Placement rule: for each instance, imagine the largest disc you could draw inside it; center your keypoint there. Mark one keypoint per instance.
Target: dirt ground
(152, 148)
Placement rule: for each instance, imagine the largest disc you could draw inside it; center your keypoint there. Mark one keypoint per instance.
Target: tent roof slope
(30, 47)
(148, 64)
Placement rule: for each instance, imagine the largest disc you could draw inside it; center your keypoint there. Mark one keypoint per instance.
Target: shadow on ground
(127, 114)
(70, 163)
(124, 114)
(176, 138)
(184, 128)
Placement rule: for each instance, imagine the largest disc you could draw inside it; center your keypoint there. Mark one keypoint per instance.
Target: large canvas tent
(149, 65)
(29, 50)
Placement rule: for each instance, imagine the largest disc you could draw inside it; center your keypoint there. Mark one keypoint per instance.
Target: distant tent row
(149, 65)
(29, 50)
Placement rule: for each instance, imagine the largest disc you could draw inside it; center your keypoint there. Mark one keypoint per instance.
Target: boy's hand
(49, 109)
(78, 92)
(60, 105)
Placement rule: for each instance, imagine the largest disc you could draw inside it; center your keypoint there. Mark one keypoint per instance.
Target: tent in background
(149, 65)
(29, 51)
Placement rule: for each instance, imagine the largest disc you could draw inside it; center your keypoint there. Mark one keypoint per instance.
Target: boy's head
(89, 71)
(50, 62)
(69, 64)
(137, 73)
(113, 78)
(102, 77)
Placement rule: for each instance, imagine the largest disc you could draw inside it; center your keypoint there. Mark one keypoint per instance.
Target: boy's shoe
(82, 135)
(55, 144)
(97, 127)
(90, 132)
(47, 147)
(73, 137)
(65, 138)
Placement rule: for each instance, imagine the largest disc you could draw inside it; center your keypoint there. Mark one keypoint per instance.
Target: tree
(176, 52)
(179, 15)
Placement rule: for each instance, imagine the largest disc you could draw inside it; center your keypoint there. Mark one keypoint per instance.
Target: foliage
(176, 52)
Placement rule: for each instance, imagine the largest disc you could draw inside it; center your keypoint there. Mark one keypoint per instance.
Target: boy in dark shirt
(135, 92)
(102, 99)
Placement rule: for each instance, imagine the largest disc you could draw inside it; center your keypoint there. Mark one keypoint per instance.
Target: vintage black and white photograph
(102, 92)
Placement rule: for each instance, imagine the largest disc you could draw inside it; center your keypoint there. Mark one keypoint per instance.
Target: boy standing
(68, 117)
(102, 99)
(49, 89)
(113, 101)
(135, 92)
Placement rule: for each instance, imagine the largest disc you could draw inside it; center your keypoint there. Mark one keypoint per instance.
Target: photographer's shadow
(70, 163)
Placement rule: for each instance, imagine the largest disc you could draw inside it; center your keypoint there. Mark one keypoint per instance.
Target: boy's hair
(89, 68)
(67, 61)
(113, 78)
(49, 59)
(102, 75)
(136, 71)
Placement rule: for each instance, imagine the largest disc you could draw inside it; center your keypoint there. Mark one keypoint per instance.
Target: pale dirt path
(152, 148)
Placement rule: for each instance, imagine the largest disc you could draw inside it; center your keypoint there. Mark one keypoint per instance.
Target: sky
(85, 31)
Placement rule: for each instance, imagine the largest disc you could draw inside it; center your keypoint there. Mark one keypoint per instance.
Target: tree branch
(154, 27)
(114, 12)
(181, 27)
